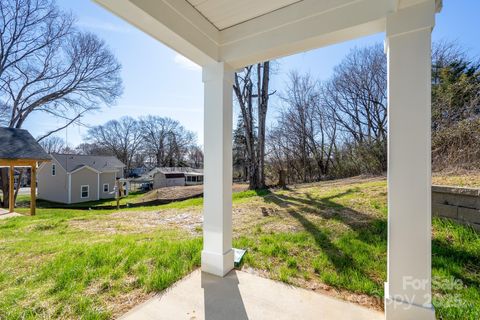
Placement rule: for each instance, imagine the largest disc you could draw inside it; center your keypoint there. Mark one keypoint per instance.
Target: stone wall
(459, 204)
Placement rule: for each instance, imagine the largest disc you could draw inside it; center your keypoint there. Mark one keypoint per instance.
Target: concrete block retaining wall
(459, 204)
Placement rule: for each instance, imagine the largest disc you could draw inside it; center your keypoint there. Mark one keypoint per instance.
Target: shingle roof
(19, 144)
(72, 162)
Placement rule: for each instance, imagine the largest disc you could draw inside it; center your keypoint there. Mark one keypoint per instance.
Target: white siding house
(78, 178)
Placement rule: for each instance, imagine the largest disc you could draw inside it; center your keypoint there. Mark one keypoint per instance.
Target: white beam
(408, 45)
(303, 26)
(290, 14)
(174, 23)
(217, 254)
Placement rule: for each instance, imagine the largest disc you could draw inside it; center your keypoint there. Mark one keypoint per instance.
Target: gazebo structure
(225, 35)
(19, 149)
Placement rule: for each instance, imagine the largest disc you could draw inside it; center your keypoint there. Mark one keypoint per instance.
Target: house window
(200, 178)
(84, 191)
(106, 187)
(54, 169)
(189, 179)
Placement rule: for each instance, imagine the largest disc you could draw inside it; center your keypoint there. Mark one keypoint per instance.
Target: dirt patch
(338, 182)
(183, 192)
(142, 221)
(245, 216)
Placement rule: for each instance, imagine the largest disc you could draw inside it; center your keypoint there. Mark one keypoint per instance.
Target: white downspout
(69, 187)
(98, 186)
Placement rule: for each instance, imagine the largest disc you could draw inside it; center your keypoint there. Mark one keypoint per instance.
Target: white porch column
(217, 254)
(408, 47)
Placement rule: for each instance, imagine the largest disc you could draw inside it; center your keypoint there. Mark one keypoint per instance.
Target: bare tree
(122, 138)
(47, 65)
(195, 157)
(93, 149)
(302, 141)
(166, 140)
(253, 83)
(53, 144)
(357, 96)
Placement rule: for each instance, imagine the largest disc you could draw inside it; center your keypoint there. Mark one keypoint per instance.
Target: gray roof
(72, 162)
(19, 144)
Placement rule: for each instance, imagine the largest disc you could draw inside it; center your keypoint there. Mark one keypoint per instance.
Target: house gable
(52, 187)
(84, 177)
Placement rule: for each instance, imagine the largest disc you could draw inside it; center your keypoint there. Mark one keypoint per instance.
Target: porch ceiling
(226, 13)
(242, 32)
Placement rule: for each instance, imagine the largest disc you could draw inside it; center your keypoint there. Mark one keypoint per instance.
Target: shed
(162, 179)
(20, 149)
(193, 178)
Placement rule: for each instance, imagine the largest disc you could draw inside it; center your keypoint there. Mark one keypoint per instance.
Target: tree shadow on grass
(339, 259)
(363, 224)
(370, 229)
(447, 257)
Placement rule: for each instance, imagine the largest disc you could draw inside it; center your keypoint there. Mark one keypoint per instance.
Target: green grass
(23, 200)
(332, 248)
(50, 270)
(336, 236)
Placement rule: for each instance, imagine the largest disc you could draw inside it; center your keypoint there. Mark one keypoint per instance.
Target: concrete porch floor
(241, 295)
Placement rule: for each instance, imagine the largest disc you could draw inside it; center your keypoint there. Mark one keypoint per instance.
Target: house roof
(194, 173)
(74, 162)
(19, 144)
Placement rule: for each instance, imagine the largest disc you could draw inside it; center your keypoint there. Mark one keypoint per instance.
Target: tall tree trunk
(19, 183)
(262, 116)
(255, 143)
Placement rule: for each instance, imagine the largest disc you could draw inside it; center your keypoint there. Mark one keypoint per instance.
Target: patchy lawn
(50, 269)
(332, 238)
(329, 237)
(466, 179)
(95, 264)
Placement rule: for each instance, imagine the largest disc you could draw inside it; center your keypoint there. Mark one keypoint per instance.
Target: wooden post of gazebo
(20, 149)
(11, 191)
(33, 188)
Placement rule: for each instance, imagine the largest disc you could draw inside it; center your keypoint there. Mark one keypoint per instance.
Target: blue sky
(160, 82)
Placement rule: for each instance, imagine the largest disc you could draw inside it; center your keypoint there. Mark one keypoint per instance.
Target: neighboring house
(78, 178)
(193, 178)
(174, 176)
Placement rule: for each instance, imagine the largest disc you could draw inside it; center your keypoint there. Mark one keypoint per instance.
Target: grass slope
(329, 237)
